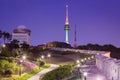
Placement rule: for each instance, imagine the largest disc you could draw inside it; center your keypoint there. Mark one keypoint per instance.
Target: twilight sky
(97, 21)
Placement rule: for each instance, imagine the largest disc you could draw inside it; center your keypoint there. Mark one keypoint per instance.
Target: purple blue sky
(97, 21)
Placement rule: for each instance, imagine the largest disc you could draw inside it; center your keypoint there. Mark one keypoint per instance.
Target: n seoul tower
(66, 27)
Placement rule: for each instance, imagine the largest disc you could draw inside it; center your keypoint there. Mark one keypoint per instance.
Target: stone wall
(110, 67)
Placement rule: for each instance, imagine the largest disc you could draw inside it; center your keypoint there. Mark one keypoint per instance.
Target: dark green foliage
(0, 34)
(6, 36)
(115, 52)
(41, 63)
(58, 44)
(25, 46)
(7, 68)
(14, 44)
(8, 72)
(59, 73)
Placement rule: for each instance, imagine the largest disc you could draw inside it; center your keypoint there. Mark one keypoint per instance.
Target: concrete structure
(110, 67)
(22, 34)
(104, 53)
(67, 27)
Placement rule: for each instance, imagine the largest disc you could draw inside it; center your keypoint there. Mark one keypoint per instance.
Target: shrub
(8, 72)
(42, 63)
(58, 74)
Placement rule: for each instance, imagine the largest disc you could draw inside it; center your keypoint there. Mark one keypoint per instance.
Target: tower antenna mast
(75, 38)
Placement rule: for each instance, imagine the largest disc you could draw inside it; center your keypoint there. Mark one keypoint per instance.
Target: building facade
(22, 34)
(110, 67)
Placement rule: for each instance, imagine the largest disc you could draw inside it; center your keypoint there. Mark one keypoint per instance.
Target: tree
(6, 36)
(14, 44)
(25, 46)
(0, 34)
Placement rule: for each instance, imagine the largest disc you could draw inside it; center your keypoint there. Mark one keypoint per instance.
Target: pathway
(38, 75)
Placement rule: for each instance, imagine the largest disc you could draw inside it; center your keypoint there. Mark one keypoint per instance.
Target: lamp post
(20, 67)
(49, 55)
(42, 56)
(77, 61)
(85, 75)
(21, 61)
(78, 67)
(3, 45)
(24, 57)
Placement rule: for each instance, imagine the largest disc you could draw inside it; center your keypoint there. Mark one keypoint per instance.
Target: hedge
(58, 74)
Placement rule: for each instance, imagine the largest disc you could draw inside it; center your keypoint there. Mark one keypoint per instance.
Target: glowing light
(85, 74)
(4, 45)
(82, 60)
(78, 61)
(24, 57)
(21, 61)
(78, 65)
(42, 56)
(49, 55)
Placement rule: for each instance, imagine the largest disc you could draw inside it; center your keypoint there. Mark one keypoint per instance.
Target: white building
(22, 34)
(110, 67)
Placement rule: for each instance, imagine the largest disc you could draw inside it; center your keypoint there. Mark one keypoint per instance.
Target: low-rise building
(22, 34)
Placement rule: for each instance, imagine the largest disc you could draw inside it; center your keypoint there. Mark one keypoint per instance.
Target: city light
(78, 65)
(49, 55)
(42, 56)
(24, 57)
(85, 74)
(4, 45)
(82, 60)
(78, 61)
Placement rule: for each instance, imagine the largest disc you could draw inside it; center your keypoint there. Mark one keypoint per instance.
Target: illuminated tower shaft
(67, 28)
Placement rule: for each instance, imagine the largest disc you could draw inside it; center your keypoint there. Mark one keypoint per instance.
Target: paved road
(38, 75)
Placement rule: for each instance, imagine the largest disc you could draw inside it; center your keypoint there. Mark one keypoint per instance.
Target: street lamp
(48, 55)
(85, 75)
(88, 58)
(3, 45)
(24, 57)
(78, 67)
(82, 60)
(78, 61)
(92, 57)
(42, 56)
(20, 67)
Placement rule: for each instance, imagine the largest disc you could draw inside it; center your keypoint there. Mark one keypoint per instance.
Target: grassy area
(75, 78)
(27, 75)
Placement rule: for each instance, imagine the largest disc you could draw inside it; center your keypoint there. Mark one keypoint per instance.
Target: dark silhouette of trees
(0, 34)
(25, 46)
(115, 52)
(14, 44)
(58, 44)
(6, 36)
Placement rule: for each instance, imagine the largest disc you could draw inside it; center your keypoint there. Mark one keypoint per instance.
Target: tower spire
(66, 27)
(66, 22)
